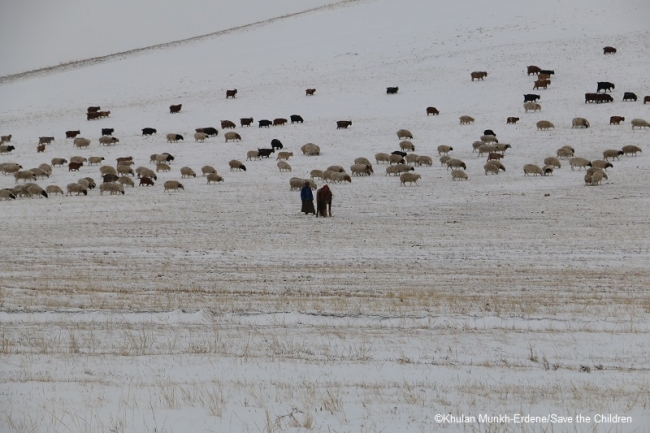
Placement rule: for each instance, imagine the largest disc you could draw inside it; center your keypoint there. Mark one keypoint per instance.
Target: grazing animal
(200, 137)
(54, 189)
(108, 131)
(227, 124)
(343, 124)
(276, 144)
(495, 156)
(173, 185)
(252, 154)
(161, 166)
(382, 157)
(295, 118)
(609, 50)
(631, 149)
(541, 84)
(92, 116)
(458, 175)
(246, 121)
(7, 194)
(231, 93)
(75, 187)
(174, 138)
(95, 160)
(489, 132)
(404, 133)
(552, 162)
(5, 138)
(124, 170)
(110, 178)
(612, 153)
(310, 149)
(531, 97)
(209, 131)
(81, 142)
(579, 162)
(10, 167)
(432, 110)
(46, 168)
(456, 164)
(175, 108)
(145, 181)
(362, 160)
(40, 148)
(442, 149)
(579, 122)
(490, 168)
(94, 109)
(236, 165)
(534, 106)
(629, 96)
(108, 141)
(639, 123)
(324, 202)
(391, 90)
(310, 92)
(478, 75)
(534, 70)
(25, 175)
(147, 173)
(283, 166)
(533, 169)
(78, 159)
(544, 125)
(265, 153)
(489, 139)
(214, 177)
(279, 121)
(126, 181)
(598, 98)
(284, 156)
(616, 120)
(187, 172)
(411, 178)
(316, 174)
(424, 160)
(605, 85)
(149, 131)
(399, 152)
(264, 123)
(407, 145)
(208, 169)
(71, 134)
(361, 170)
(6, 148)
(564, 153)
(74, 166)
(59, 162)
(513, 120)
(646, 99)
(466, 120)
(547, 72)
(397, 159)
(45, 140)
(231, 136)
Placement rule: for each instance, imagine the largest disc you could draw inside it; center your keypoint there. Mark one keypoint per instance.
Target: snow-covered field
(222, 308)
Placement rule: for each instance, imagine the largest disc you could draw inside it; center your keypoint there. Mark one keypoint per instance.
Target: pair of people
(323, 201)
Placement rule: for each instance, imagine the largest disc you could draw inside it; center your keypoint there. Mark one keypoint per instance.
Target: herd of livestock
(400, 162)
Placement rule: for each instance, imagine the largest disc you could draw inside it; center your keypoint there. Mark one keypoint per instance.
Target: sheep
(75, 187)
(534, 106)
(362, 160)
(297, 183)
(232, 136)
(490, 168)
(612, 153)
(361, 170)
(603, 165)
(579, 162)
(579, 122)
(146, 172)
(310, 92)
(594, 178)
(113, 188)
(534, 169)
(6, 148)
(161, 166)
(5, 138)
(81, 142)
(616, 120)
(336, 169)
(514, 120)
(442, 149)
(107, 140)
(458, 175)
(327, 175)
(397, 159)
(124, 170)
(9, 167)
(59, 162)
(315, 174)
(39, 173)
(552, 162)
(338, 177)
(310, 149)
(174, 138)
(128, 163)
(173, 185)
(187, 172)
(39, 149)
(485, 148)
(489, 139)
(544, 125)
(78, 159)
(283, 166)
(411, 158)
(466, 120)
(95, 160)
(24, 175)
(200, 137)
(502, 147)
(432, 110)
(424, 160)
(107, 169)
(444, 159)
(564, 153)
(592, 170)
(126, 181)
(214, 177)
(208, 169)
(492, 156)
(236, 165)
(163, 157)
(7, 194)
(46, 168)
(284, 156)
(110, 178)
(406, 146)
(54, 189)
(84, 183)
(639, 123)
(404, 133)
(411, 178)
(252, 154)
(382, 157)
(476, 145)
(392, 170)
(630, 148)
(146, 181)
(91, 182)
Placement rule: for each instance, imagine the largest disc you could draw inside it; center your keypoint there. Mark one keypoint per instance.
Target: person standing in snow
(307, 200)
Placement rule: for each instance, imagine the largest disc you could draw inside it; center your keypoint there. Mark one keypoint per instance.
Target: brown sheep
(432, 111)
(231, 93)
(616, 120)
(478, 75)
(512, 120)
(175, 108)
(310, 92)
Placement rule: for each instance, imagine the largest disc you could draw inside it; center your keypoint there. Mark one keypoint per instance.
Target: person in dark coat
(307, 200)
(324, 201)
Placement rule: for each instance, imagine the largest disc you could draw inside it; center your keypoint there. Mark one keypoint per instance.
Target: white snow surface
(221, 308)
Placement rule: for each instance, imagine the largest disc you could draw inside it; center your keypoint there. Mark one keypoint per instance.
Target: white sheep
(630, 148)
(112, 188)
(486, 148)
(489, 139)
(75, 187)
(411, 178)
(252, 154)
(640, 123)
(10, 167)
(40, 173)
(361, 170)
(297, 183)
(336, 168)
(534, 106)
(579, 162)
(564, 153)
(612, 153)
(490, 168)
(34, 189)
(458, 175)
(406, 146)
(310, 149)
(397, 159)
(208, 169)
(126, 181)
(283, 166)
(78, 160)
(316, 174)
(214, 177)
(81, 142)
(124, 170)
(6, 194)
(162, 167)
(444, 159)
(95, 160)
(476, 145)
(200, 137)
(339, 177)
(173, 185)
(603, 165)
(579, 122)
(107, 141)
(404, 133)
(59, 162)
(553, 162)
(533, 169)
(236, 165)
(284, 156)
(544, 125)
(232, 136)
(444, 150)
(466, 120)
(187, 172)
(412, 158)
(502, 147)
(424, 160)
(24, 175)
(107, 169)
(54, 189)
(382, 157)
(362, 160)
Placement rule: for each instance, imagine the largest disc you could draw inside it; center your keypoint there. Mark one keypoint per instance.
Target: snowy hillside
(222, 308)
